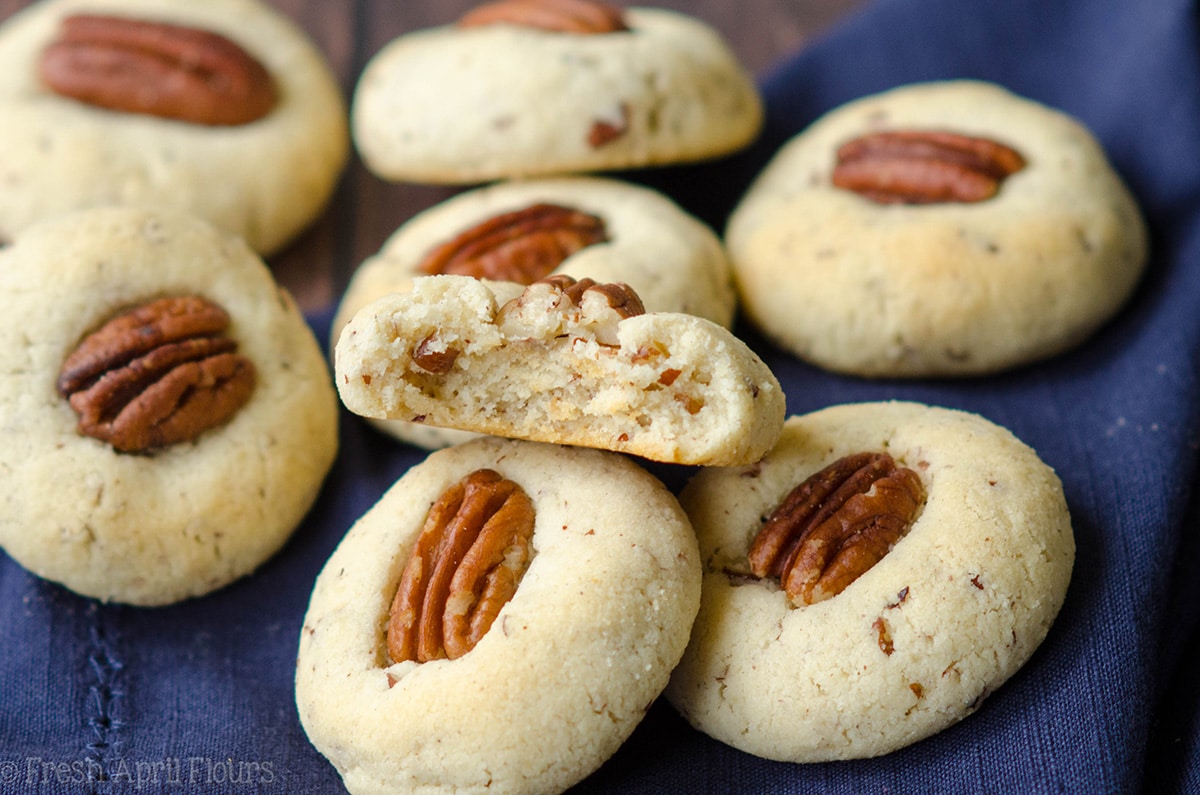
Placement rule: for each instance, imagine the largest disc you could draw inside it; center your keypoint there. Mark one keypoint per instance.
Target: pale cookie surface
(564, 674)
(264, 181)
(673, 261)
(666, 386)
(458, 105)
(179, 521)
(938, 289)
(913, 645)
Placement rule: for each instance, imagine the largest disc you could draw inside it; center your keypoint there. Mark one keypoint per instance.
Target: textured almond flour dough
(673, 261)
(665, 386)
(566, 671)
(450, 105)
(942, 289)
(182, 520)
(264, 181)
(966, 597)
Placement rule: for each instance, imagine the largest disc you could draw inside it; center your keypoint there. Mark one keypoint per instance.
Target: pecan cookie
(608, 230)
(870, 582)
(523, 668)
(223, 109)
(565, 361)
(532, 89)
(168, 416)
(938, 229)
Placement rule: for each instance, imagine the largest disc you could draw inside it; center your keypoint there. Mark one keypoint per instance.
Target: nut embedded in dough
(836, 525)
(560, 16)
(156, 375)
(924, 166)
(465, 566)
(517, 246)
(172, 71)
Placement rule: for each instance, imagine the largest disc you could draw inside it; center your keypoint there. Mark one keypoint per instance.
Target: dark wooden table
(365, 210)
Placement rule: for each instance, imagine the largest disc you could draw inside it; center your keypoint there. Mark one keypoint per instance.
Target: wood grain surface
(365, 210)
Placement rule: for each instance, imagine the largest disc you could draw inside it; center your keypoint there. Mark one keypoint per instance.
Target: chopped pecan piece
(836, 525)
(466, 565)
(159, 374)
(159, 69)
(434, 356)
(519, 246)
(558, 306)
(605, 131)
(924, 167)
(619, 296)
(559, 16)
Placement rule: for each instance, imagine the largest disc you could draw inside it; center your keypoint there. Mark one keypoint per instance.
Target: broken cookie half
(561, 361)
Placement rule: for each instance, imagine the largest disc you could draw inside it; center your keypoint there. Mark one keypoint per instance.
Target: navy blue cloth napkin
(197, 697)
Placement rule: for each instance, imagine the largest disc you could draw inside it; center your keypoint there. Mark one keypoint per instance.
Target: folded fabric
(198, 697)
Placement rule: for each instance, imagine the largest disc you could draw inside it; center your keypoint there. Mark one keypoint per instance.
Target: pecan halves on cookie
(836, 525)
(159, 374)
(467, 562)
(158, 69)
(559, 16)
(924, 167)
(519, 246)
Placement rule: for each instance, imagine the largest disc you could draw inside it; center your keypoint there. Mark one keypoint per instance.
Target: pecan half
(519, 246)
(159, 374)
(154, 68)
(924, 167)
(472, 552)
(559, 16)
(836, 525)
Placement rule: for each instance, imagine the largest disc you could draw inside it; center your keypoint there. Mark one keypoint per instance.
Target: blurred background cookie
(870, 581)
(600, 583)
(223, 109)
(168, 416)
(536, 87)
(937, 229)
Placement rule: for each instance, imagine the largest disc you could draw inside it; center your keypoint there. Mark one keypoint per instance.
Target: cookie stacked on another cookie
(540, 91)
(937, 229)
(167, 415)
(222, 109)
(521, 231)
(564, 361)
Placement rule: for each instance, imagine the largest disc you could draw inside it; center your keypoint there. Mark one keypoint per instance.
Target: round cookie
(567, 669)
(264, 180)
(171, 522)
(914, 644)
(454, 105)
(673, 261)
(939, 289)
